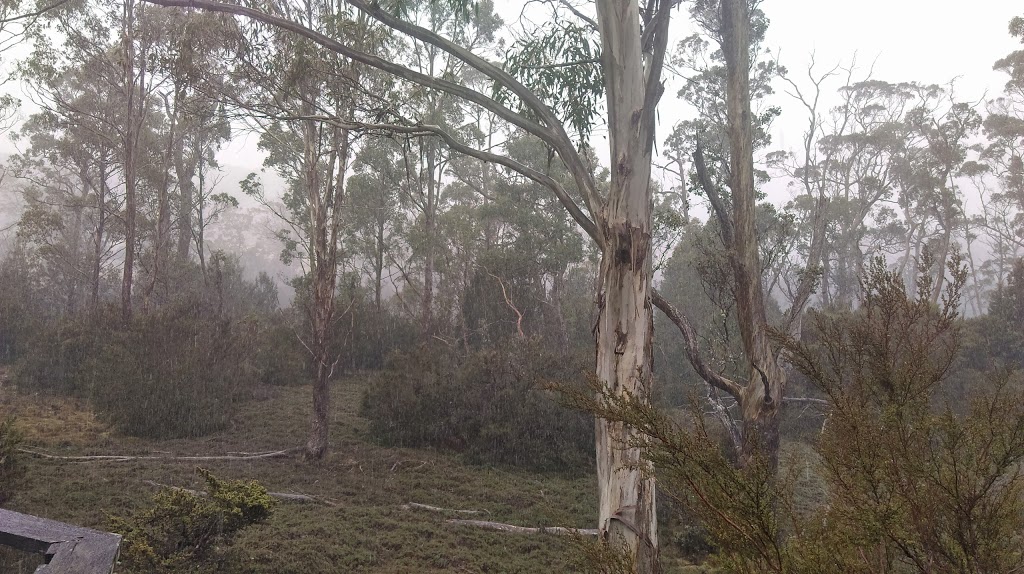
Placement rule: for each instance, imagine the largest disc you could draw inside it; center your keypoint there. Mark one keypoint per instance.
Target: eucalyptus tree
(375, 221)
(304, 101)
(473, 31)
(51, 229)
(515, 282)
(188, 127)
(195, 64)
(722, 143)
(1002, 190)
(80, 92)
(114, 42)
(936, 155)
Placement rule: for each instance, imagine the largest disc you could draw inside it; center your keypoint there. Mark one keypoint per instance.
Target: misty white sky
(906, 40)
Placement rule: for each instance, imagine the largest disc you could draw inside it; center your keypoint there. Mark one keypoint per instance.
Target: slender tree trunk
(101, 223)
(625, 325)
(136, 103)
(682, 187)
(74, 257)
(562, 331)
(762, 396)
(325, 211)
(946, 218)
(378, 267)
(163, 225)
(321, 296)
(184, 170)
(199, 213)
(430, 225)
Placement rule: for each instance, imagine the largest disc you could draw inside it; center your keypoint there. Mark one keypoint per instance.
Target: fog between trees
(433, 195)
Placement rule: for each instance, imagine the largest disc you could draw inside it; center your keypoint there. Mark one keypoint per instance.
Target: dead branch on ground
(511, 528)
(127, 458)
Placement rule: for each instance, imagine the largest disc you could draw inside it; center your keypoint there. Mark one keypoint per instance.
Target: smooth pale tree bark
(325, 194)
(324, 271)
(760, 396)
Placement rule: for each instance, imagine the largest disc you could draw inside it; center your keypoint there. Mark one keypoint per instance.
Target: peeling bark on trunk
(324, 207)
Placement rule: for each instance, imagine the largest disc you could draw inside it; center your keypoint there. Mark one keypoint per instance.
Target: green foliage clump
(492, 406)
(56, 359)
(601, 557)
(11, 468)
(182, 528)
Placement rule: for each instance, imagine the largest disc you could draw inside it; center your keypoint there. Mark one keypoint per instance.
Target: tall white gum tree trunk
(626, 323)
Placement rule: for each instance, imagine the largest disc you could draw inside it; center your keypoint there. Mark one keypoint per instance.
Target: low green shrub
(181, 528)
(493, 406)
(11, 468)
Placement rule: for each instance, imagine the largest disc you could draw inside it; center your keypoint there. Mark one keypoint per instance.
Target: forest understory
(363, 522)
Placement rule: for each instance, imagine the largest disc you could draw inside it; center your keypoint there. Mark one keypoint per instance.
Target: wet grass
(368, 531)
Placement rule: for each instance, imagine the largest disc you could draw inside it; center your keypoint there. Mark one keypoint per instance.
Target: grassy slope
(368, 532)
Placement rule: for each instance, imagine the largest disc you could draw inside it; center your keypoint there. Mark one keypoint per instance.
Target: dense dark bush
(492, 406)
(174, 372)
(57, 358)
(279, 356)
(11, 468)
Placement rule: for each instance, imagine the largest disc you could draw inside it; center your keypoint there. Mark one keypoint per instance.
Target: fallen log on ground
(128, 458)
(525, 529)
(439, 509)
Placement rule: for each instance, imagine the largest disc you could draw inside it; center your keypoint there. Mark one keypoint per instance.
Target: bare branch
(127, 458)
(590, 21)
(508, 301)
(718, 206)
(419, 130)
(418, 506)
(692, 349)
(555, 134)
(551, 132)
